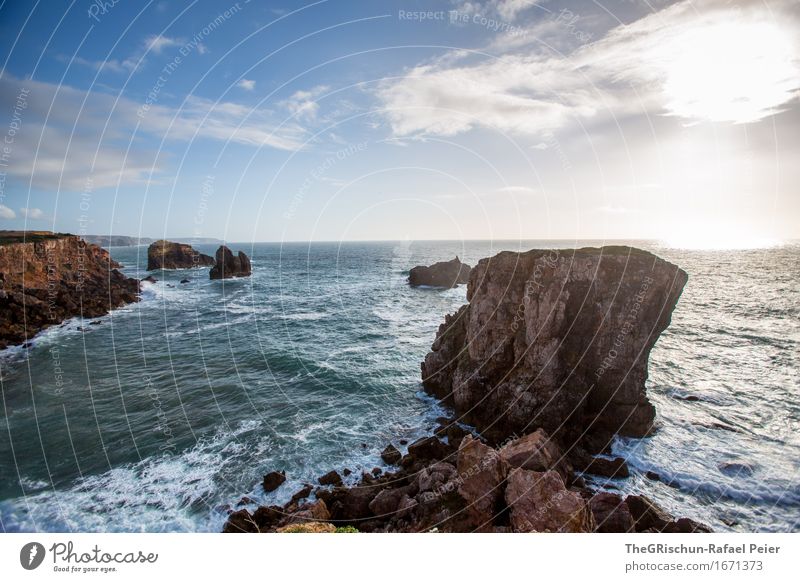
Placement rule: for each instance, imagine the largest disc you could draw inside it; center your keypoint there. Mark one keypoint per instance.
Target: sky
(363, 120)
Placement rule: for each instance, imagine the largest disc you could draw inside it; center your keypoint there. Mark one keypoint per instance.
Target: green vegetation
(346, 529)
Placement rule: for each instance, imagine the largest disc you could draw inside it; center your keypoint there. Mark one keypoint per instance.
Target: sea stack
(447, 274)
(228, 266)
(164, 254)
(47, 277)
(555, 339)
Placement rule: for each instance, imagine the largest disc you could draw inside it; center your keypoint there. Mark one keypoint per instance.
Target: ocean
(166, 413)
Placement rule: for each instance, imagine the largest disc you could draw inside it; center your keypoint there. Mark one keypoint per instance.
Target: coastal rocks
(647, 516)
(535, 452)
(164, 254)
(611, 513)
(540, 502)
(612, 468)
(390, 455)
(481, 471)
(273, 480)
(150, 279)
(555, 339)
(331, 478)
(52, 277)
(228, 266)
(445, 274)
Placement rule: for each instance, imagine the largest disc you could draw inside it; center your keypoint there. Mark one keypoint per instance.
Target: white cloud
(157, 43)
(246, 84)
(709, 62)
(517, 189)
(69, 136)
(153, 44)
(303, 104)
(508, 10)
(6, 213)
(32, 213)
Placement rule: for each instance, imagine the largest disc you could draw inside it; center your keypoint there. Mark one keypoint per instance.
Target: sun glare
(730, 71)
(716, 237)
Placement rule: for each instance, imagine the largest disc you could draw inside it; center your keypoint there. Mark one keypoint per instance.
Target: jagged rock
(185, 281)
(390, 455)
(331, 478)
(428, 448)
(273, 480)
(444, 274)
(53, 277)
(149, 279)
(535, 452)
(556, 340)
(302, 494)
(266, 518)
(228, 266)
(612, 468)
(481, 471)
(611, 513)
(539, 502)
(240, 522)
(164, 254)
(646, 514)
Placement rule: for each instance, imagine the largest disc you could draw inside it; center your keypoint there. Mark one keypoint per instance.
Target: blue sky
(332, 120)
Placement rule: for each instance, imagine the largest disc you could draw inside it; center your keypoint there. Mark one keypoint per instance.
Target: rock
(403, 442)
(376, 471)
(317, 511)
(388, 501)
(302, 494)
(436, 478)
(428, 448)
(539, 502)
(228, 266)
(652, 475)
(535, 452)
(331, 478)
(390, 455)
(240, 522)
(273, 480)
(733, 469)
(612, 468)
(50, 278)
(686, 525)
(353, 504)
(446, 274)
(556, 340)
(646, 514)
(185, 281)
(149, 279)
(164, 254)
(312, 527)
(347, 472)
(611, 513)
(266, 518)
(482, 472)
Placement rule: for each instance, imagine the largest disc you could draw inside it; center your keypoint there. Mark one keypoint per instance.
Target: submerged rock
(164, 254)
(228, 266)
(446, 274)
(556, 340)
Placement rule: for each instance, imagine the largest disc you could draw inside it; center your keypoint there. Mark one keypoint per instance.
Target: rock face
(164, 254)
(555, 339)
(228, 266)
(55, 277)
(446, 274)
(540, 502)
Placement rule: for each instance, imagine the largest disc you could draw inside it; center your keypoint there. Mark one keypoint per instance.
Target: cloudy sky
(334, 120)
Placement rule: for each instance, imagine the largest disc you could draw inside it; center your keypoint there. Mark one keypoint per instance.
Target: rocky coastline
(546, 364)
(445, 274)
(164, 254)
(46, 278)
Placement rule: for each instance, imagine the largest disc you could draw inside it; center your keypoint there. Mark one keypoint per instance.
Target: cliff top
(8, 237)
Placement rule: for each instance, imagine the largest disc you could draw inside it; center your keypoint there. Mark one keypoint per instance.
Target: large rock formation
(557, 339)
(52, 277)
(446, 274)
(229, 266)
(164, 254)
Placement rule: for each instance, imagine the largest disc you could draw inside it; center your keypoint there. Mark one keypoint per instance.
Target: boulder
(273, 480)
(331, 478)
(555, 339)
(228, 266)
(240, 522)
(539, 502)
(612, 468)
(646, 514)
(390, 455)
(611, 513)
(446, 274)
(164, 254)
(428, 448)
(149, 279)
(302, 494)
(481, 472)
(535, 452)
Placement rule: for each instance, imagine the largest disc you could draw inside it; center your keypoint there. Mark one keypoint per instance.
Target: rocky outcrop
(445, 274)
(556, 340)
(52, 278)
(228, 266)
(164, 254)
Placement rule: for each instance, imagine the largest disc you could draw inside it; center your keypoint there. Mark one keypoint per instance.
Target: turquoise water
(155, 417)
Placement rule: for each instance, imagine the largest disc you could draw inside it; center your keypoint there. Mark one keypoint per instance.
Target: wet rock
(228, 266)
(273, 480)
(612, 468)
(646, 514)
(331, 478)
(240, 522)
(482, 472)
(164, 254)
(445, 274)
(185, 281)
(302, 494)
(390, 455)
(539, 502)
(611, 513)
(428, 448)
(149, 279)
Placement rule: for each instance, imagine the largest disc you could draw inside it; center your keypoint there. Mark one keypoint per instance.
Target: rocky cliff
(555, 339)
(53, 277)
(164, 254)
(445, 274)
(228, 266)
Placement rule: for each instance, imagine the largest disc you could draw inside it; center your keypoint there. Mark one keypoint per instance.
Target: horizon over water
(159, 415)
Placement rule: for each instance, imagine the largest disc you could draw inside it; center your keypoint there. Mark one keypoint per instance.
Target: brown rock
(164, 254)
(539, 502)
(535, 452)
(331, 478)
(228, 266)
(390, 455)
(302, 494)
(445, 274)
(428, 448)
(611, 513)
(612, 468)
(481, 472)
(240, 522)
(646, 514)
(273, 480)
